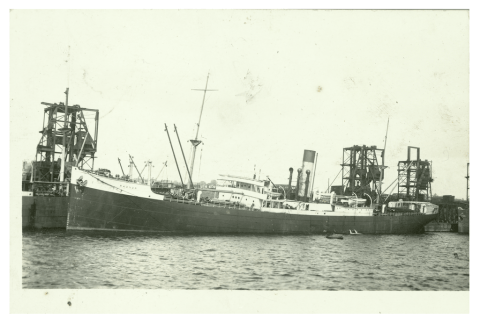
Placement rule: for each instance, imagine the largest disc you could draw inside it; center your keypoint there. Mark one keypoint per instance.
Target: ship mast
(64, 141)
(196, 142)
(383, 165)
(467, 177)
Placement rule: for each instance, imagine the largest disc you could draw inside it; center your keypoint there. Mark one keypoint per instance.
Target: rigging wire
(164, 165)
(335, 178)
(200, 163)
(142, 170)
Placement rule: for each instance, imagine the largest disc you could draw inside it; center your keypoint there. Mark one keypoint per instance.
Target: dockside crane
(66, 141)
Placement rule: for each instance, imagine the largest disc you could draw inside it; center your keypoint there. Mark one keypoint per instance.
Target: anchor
(81, 184)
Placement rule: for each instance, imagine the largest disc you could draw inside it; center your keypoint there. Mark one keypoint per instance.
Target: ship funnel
(307, 165)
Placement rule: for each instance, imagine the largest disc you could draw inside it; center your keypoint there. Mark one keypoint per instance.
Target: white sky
(138, 68)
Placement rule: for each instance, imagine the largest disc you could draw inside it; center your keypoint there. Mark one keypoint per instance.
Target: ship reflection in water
(57, 259)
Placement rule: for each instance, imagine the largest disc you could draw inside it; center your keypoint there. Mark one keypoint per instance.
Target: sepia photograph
(270, 151)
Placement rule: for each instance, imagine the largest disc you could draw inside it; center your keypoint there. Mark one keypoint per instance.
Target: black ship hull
(95, 209)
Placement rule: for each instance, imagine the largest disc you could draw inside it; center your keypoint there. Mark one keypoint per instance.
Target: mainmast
(383, 166)
(196, 142)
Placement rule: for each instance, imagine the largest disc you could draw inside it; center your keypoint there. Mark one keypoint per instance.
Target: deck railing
(208, 204)
(237, 207)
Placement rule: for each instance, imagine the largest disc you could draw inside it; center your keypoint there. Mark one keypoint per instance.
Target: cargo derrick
(63, 131)
(362, 172)
(414, 178)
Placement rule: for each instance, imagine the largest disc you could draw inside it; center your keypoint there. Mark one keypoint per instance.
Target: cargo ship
(96, 200)
(250, 205)
(238, 205)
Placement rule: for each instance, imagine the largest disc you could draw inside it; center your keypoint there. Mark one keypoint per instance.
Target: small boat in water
(354, 232)
(334, 236)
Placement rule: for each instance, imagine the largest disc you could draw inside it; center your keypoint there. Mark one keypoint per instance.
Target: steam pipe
(306, 185)
(313, 178)
(298, 183)
(289, 183)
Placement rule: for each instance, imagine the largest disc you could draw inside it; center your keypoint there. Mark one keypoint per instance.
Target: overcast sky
(287, 81)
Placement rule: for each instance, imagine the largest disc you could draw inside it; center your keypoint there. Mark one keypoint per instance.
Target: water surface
(57, 259)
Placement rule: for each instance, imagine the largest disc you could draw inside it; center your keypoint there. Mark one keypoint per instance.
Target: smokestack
(308, 161)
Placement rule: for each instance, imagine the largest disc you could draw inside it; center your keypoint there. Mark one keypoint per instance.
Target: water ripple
(56, 259)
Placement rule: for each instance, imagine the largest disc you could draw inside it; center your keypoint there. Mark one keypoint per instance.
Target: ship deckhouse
(246, 192)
